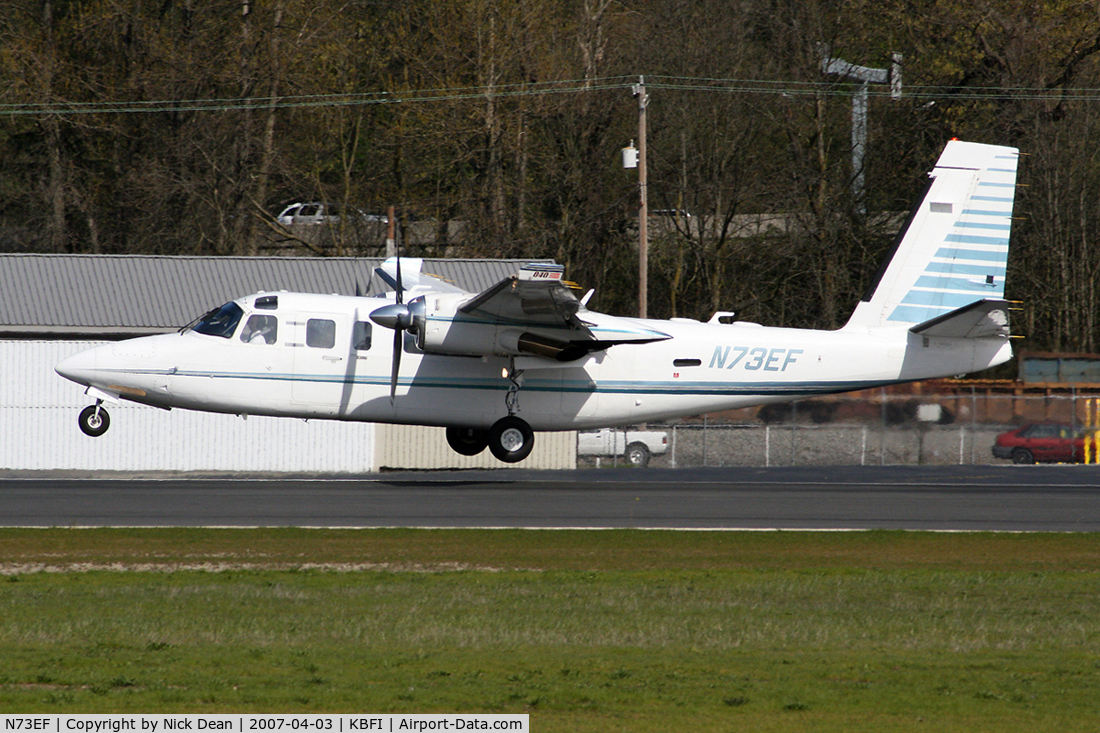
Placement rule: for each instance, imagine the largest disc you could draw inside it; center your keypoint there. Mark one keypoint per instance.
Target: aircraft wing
(537, 299)
(531, 313)
(981, 319)
(535, 296)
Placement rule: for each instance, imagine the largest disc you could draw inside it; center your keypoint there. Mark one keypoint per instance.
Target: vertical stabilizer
(953, 249)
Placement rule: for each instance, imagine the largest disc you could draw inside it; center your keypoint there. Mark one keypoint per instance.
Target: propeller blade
(400, 286)
(401, 323)
(395, 367)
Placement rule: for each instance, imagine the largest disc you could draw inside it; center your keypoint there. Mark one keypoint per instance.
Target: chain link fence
(941, 429)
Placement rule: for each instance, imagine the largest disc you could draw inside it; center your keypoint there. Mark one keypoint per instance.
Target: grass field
(586, 631)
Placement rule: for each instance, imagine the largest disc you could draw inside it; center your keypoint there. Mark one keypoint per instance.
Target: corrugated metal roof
(79, 294)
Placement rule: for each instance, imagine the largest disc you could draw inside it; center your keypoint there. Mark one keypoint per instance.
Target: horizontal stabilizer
(979, 320)
(413, 280)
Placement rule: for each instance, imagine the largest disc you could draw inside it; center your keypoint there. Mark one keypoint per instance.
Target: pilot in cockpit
(259, 330)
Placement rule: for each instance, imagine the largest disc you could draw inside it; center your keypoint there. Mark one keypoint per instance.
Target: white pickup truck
(635, 445)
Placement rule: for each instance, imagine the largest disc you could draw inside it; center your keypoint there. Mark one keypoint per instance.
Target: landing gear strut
(94, 420)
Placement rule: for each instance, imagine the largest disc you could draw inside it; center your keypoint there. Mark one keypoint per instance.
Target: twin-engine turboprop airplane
(526, 355)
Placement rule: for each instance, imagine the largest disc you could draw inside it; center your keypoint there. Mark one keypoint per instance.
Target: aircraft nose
(80, 367)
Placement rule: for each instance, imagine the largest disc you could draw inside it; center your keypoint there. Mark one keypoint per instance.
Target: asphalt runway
(963, 498)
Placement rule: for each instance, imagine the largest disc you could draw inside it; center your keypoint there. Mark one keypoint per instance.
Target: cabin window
(320, 333)
(360, 335)
(220, 321)
(267, 302)
(687, 362)
(260, 329)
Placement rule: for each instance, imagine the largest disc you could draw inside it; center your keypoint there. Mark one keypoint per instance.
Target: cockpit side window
(221, 321)
(260, 329)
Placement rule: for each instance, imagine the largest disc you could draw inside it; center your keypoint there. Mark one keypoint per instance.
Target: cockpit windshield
(220, 321)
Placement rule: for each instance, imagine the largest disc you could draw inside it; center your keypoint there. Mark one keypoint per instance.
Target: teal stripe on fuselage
(664, 387)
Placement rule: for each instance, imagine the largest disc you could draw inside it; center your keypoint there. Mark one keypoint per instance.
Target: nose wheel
(94, 420)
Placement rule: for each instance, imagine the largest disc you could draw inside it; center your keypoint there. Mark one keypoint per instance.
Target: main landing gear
(94, 420)
(510, 439)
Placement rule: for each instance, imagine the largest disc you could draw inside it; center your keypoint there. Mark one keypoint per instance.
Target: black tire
(94, 421)
(637, 455)
(467, 441)
(511, 439)
(1022, 456)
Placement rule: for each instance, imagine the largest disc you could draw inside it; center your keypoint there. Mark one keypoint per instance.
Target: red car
(1043, 442)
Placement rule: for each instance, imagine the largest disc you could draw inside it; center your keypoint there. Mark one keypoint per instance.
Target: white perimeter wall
(38, 431)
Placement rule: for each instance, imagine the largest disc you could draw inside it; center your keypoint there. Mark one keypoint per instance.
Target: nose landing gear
(94, 420)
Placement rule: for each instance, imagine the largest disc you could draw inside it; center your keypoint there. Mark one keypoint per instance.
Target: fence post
(672, 460)
(974, 419)
(704, 440)
(793, 431)
(767, 446)
(882, 443)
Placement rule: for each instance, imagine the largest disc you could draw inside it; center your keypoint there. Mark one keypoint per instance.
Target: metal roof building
(52, 306)
(113, 296)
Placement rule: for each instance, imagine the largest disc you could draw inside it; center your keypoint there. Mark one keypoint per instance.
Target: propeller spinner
(400, 317)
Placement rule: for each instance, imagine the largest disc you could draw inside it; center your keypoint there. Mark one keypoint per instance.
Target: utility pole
(643, 207)
(391, 232)
(864, 75)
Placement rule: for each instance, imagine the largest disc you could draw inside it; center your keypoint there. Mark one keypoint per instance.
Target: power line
(317, 100)
(574, 86)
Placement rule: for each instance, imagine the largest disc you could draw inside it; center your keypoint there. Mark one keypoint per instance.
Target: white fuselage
(703, 367)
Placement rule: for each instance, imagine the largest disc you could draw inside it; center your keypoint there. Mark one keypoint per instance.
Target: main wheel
(467, 441)
(1022, 455)
(511, 439)
(637, 455)
(94, 420)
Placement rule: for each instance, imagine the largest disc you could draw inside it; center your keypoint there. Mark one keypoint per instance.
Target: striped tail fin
(953, 249)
